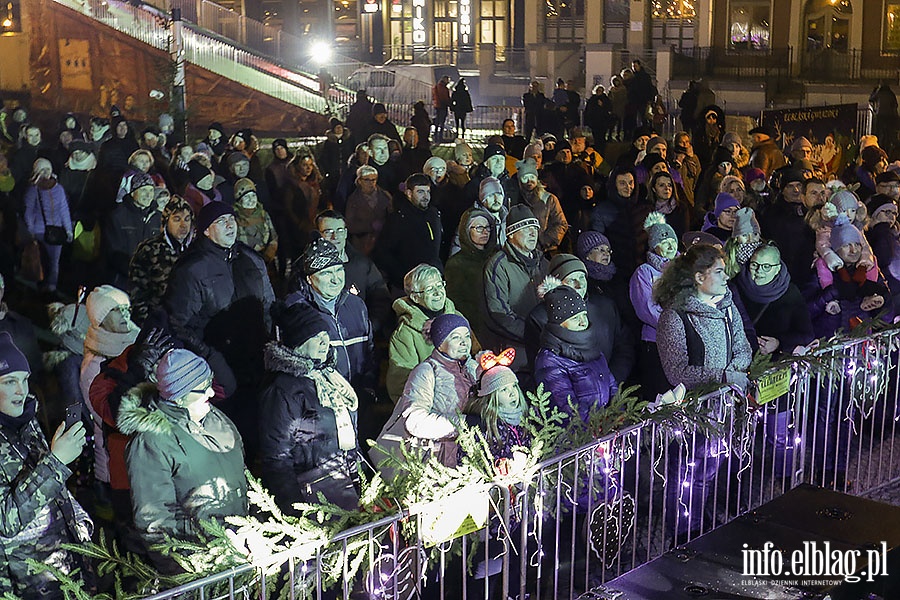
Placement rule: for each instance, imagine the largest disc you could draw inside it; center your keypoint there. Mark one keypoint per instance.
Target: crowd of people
(276, 316)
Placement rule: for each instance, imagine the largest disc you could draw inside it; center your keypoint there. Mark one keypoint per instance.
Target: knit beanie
(334, 122)
(879, 203)
(753, 174)
(495, 378)
(889, 176)
(801, 142)
(658, 230)
(235, 158)
(197, 171)
(791, 175)
(844, 200)
(242, 187)
(432, 163)
(488, 186)
(844, 232)
(730, 138)
(493, 150)
(102, 301)
(562, 145)
(70, 335)
(692, 238)
(871, 156)
(724, 200)
(297, 324)
(174, 205)
(378, 109)
(526, 167)
(139, 180)
(656, 140)
(81, 146)
(651, 160)
(587, 241)
(443, 325)
(561, 301)
(11, 358)
(319, 254)
(178, 372)
(40, 165)
(745, 222)
(217, 126)
(563, 265)
(210, 212)
(520, 217)
(533, 148)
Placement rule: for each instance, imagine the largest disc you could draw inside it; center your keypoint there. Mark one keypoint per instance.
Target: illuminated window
(749, 27)
(673, 9)
(9, 17)
(892, 28)
(564, 21)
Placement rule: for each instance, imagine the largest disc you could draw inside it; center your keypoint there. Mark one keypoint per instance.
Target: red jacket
(440, 95)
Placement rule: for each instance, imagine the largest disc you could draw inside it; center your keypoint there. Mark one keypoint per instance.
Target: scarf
(335, 393)
(17, 423)
(857, 276)
(579, 346)
(745, 251)
(531, 261)
(88, 164)
(600, 272)
(108, 344)
(763, 294)
(666, 207)
(511, 414)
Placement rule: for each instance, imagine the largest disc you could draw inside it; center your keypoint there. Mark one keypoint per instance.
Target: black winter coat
(126, 227)
(785, 319)
(299, 439)
(220, 298)
(411, 236)
(784, 224)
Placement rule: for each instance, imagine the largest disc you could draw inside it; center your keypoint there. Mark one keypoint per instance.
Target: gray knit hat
(526, 167)
(844, 232)
(488, 186)
(658, 230)
(179, 372)
(520, 217)
(745, 222)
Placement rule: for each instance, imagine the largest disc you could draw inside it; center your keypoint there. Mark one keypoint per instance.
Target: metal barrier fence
(600, 510)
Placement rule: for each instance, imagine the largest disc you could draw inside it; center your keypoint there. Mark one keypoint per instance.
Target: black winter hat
(378, 109)
(210, 212)
(320, 254)
(297, 324)
(562, 302)
(493, 150)
(765, 130)
(217, 126)
(279, 142)
(197, 171)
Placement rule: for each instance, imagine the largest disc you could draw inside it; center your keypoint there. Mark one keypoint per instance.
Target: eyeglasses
(480, 228)
(763, 267)
(203, 389)
(334, 232)
(432, 289)
(369, 179)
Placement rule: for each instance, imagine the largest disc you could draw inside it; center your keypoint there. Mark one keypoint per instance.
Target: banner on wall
(830, 129)
(75, 64)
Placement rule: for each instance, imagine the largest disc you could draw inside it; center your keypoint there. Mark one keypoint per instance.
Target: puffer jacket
(37, 513)
(510, 292)
(411, 236)
(220, 298)
(350, 331)
(54, 205)
(409, 346)
(181, 472)
(427, 413)
(573, 369)
(847, 287)
(298, 436)
(723, 351)
(640, 290)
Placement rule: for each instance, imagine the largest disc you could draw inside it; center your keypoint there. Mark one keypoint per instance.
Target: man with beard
(543, 204)
(411, 234)
(490, 198)
(492, 165)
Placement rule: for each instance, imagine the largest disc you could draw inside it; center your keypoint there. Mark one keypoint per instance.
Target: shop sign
(465, 22)
(418, 22)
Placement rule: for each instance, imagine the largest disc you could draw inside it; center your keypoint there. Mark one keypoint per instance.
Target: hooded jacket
(409, 346)
(37, 513)
(767, 156)
(181, 472)
(848, 287)
(622, 221)
(350, 331)
(640, 290)
(149, 271)
(464, 272)
(127, 226)
(411, 236)
(723, 352)
(298, 436)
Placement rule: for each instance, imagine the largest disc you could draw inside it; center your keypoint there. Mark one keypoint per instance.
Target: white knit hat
(103, 300)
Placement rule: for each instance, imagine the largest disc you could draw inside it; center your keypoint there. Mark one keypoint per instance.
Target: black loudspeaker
(809, 543)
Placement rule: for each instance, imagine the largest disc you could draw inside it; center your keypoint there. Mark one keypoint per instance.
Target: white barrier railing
(600, 510)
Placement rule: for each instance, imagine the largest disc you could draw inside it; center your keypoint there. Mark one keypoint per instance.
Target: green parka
(181, 472)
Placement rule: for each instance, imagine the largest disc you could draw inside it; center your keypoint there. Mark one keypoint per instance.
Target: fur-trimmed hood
(412, 313)
(281, 359)
(140, 413)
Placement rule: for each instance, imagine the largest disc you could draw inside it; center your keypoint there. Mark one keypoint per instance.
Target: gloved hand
(153, 348)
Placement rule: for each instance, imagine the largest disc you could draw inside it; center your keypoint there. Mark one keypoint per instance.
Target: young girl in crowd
(842, 202)
(46, 205)
(745, 239)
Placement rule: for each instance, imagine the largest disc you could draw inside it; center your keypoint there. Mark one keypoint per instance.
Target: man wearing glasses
(361, 275)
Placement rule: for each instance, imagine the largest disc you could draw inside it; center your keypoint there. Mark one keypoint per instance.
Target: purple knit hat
(587, 241)
(724, 200)
(443, 325)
